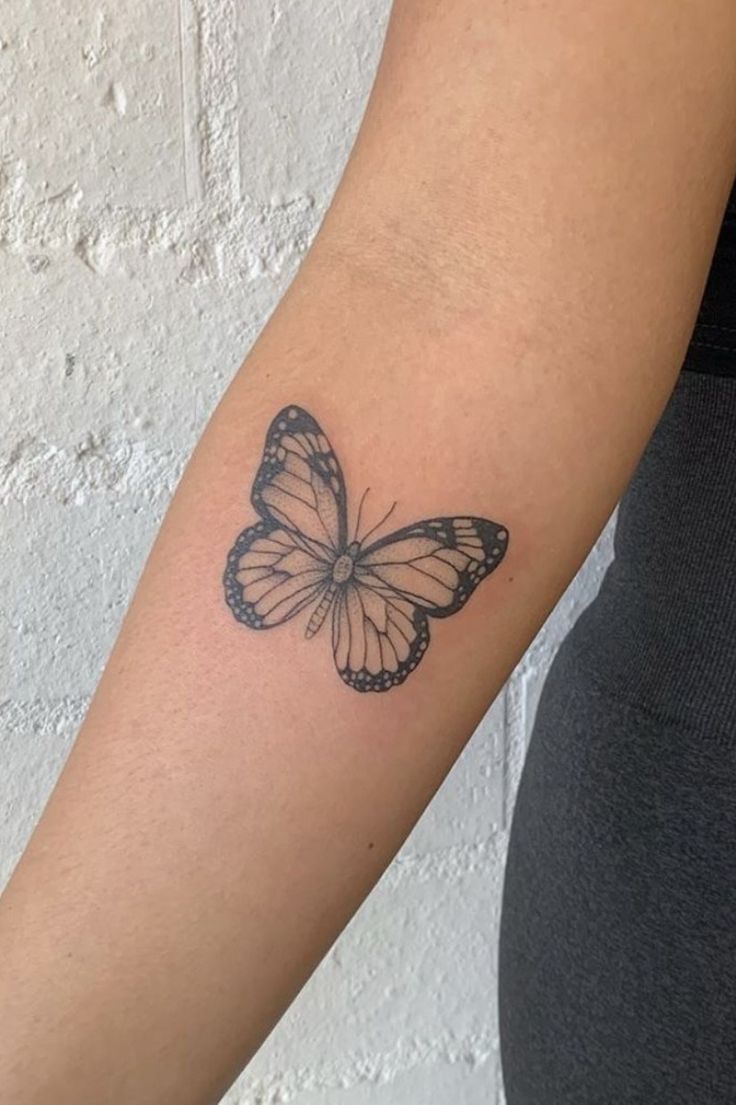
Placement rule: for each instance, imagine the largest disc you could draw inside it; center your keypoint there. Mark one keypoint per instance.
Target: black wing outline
(428, 569)
(272, 574)
(483, 542)
(401, 628)
(296, 445)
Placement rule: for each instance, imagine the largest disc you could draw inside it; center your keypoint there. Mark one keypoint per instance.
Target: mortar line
(188, 90)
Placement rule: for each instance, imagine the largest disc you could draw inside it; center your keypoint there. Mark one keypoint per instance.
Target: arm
(489, 324)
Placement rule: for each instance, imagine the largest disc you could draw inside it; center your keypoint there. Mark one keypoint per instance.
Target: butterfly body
(344, 566)
(321, 610)
(342, 571)
(379, 595)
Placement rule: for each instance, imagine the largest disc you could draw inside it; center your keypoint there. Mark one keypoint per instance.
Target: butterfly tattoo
(379, 597)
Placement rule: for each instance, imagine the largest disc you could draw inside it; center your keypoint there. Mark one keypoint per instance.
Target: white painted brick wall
(163, 167)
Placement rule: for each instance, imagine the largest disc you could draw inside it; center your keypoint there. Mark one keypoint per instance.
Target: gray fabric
(617, 960)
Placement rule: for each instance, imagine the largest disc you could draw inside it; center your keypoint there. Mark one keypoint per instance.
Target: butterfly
(379, 596)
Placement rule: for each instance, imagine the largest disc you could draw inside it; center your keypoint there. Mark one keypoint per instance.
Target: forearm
(488, 326)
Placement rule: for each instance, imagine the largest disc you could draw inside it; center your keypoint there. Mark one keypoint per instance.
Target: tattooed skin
(378, 597)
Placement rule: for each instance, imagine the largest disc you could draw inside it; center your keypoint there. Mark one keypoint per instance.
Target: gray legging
(618, 934)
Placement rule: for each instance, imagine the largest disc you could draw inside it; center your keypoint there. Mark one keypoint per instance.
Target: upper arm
(507, 141)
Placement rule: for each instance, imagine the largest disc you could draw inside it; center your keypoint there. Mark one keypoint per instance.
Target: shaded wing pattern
(378, 637)
(300, 483)
(272, 573)
(430, 569)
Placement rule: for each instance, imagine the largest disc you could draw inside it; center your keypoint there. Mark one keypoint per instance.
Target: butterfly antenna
(360, 511)
(378, 525)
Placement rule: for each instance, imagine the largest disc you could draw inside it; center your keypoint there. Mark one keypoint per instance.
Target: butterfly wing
(300, 484)
(271, 574)
(430, 569)
(436, 564)
(283, 562)
(378, 637)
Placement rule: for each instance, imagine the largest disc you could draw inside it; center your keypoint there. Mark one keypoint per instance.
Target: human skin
(489, 323)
